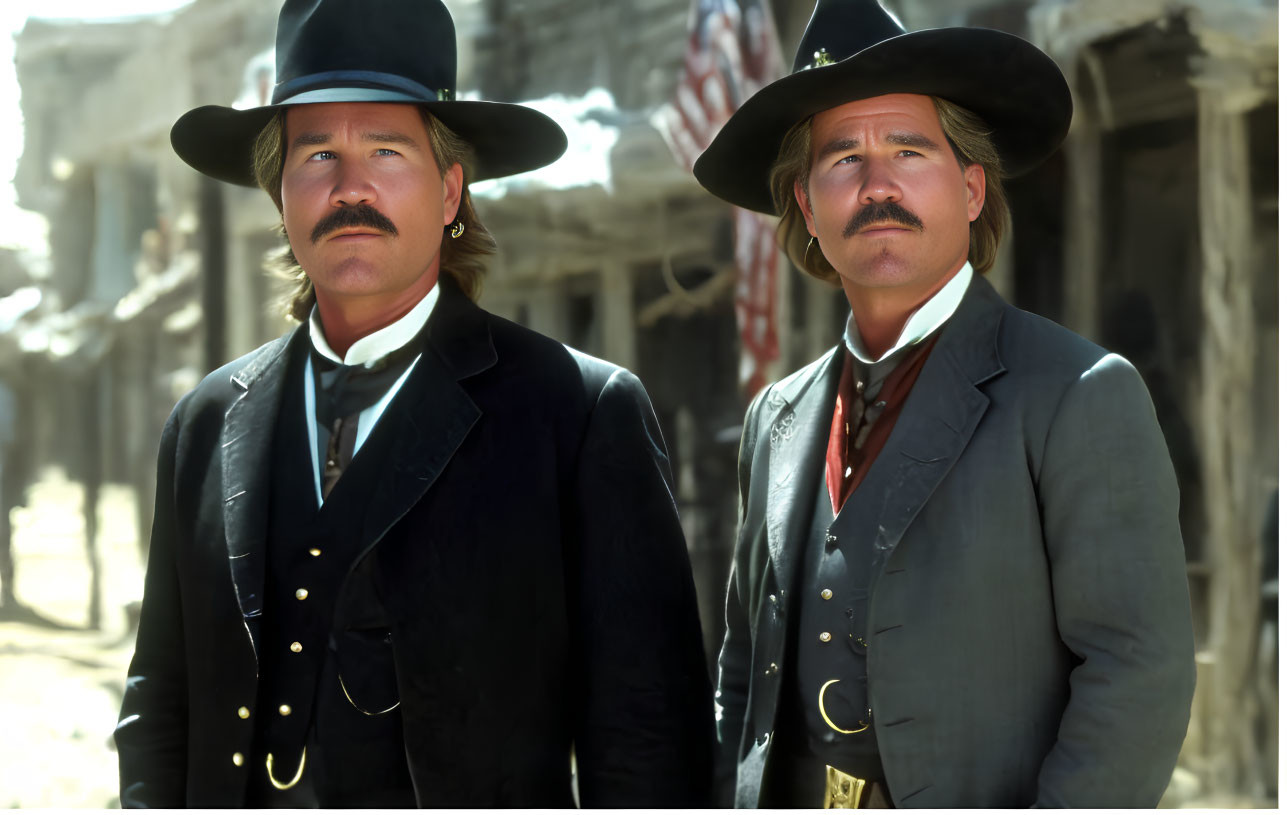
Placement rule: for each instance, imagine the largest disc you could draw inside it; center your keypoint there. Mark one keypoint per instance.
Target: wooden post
(619, 329)
(96, 392)
(1082, 236)
(822, 330)
(783, 365)
(1227, 416)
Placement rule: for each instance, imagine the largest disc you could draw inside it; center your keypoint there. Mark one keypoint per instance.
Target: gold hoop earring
(457, 229)
(807, 247)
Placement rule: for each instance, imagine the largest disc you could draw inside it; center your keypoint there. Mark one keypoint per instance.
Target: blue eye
(321, 155)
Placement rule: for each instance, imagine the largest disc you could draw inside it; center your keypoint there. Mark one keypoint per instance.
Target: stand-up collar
(923, 322)
(378, 344)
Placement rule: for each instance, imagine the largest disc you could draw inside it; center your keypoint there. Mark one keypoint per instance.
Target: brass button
(296, 647)
(772, 669)
(238, 759)
(826, 594)
(301, 594)
(243, 712)
(315, 552)
(825, 636)
(284, 710)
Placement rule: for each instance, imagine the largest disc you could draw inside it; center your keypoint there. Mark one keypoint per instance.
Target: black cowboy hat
(853, 49)
(369, 51)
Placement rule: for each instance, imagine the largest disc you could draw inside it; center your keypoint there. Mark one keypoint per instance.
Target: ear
(453, 186)
(976, 188)
(802, 200)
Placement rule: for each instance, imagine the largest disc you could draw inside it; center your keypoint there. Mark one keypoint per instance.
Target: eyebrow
(310, 140)
(391, 137)
(901, 138)
(837, 146)
(907, 138)
(314, 139)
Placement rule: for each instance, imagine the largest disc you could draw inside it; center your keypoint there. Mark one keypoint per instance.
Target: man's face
(887, 201)
(364, 202)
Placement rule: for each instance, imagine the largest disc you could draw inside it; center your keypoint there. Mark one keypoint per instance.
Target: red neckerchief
(846, 466)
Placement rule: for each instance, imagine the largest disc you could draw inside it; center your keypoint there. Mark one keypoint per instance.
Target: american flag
(732, 52)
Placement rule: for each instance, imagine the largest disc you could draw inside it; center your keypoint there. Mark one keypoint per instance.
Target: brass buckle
(299, 773)
(844, 791)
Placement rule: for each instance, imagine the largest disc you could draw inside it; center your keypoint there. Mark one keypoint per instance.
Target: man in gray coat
(959, 579)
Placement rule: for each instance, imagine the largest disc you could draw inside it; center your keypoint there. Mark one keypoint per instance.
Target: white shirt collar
(923, 322)
(380, 343)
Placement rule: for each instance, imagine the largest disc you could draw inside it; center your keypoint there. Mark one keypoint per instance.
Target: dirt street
(60, 684)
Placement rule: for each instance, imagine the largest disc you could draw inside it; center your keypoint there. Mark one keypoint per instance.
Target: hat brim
(507, 139)
(1010, 83)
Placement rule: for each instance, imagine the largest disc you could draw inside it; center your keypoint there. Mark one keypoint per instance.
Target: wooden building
(1152, 231)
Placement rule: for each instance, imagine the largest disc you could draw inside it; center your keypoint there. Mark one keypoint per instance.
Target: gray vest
(836, 578)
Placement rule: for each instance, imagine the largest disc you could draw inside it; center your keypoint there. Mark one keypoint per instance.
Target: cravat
(859, 431)
(343, 392)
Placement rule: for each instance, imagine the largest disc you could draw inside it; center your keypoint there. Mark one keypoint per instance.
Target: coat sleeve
(643, 736)
(1110, 510)
(733, 685)
(152, 735)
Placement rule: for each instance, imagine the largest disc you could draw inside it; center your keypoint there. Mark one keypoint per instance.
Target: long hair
(461, 258)
(971, 142)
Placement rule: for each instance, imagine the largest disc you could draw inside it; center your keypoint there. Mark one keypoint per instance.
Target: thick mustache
(886, 212)
(351, 216)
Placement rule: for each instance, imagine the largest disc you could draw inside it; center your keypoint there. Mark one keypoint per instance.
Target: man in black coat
(409, 553)
(959, 579)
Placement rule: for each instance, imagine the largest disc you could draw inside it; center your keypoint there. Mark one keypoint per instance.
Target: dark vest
(326, 654)
(842, 554)
(839, 558)
(836, 577)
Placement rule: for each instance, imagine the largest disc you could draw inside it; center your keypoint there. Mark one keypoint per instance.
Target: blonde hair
(971, 142)
(461, 258)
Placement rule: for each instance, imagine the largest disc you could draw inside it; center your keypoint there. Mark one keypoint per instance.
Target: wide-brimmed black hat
(369, 51)
(853, 49)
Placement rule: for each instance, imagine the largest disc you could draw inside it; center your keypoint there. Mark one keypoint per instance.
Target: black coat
(541, 592)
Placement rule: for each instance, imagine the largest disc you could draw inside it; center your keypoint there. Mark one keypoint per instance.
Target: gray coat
(1029, 627)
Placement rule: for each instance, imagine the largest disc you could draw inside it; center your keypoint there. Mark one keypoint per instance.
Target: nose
(878, 185)
(352, 186)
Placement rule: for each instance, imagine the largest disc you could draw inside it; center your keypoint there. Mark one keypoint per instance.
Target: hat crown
(318, 41)
(839, 29)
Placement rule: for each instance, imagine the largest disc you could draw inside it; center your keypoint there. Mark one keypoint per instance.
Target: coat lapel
(941, 413)
(245, 443)
(434, 413)
(802, 414)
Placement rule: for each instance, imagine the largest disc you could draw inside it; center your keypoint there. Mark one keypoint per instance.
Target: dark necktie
(343, 392)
